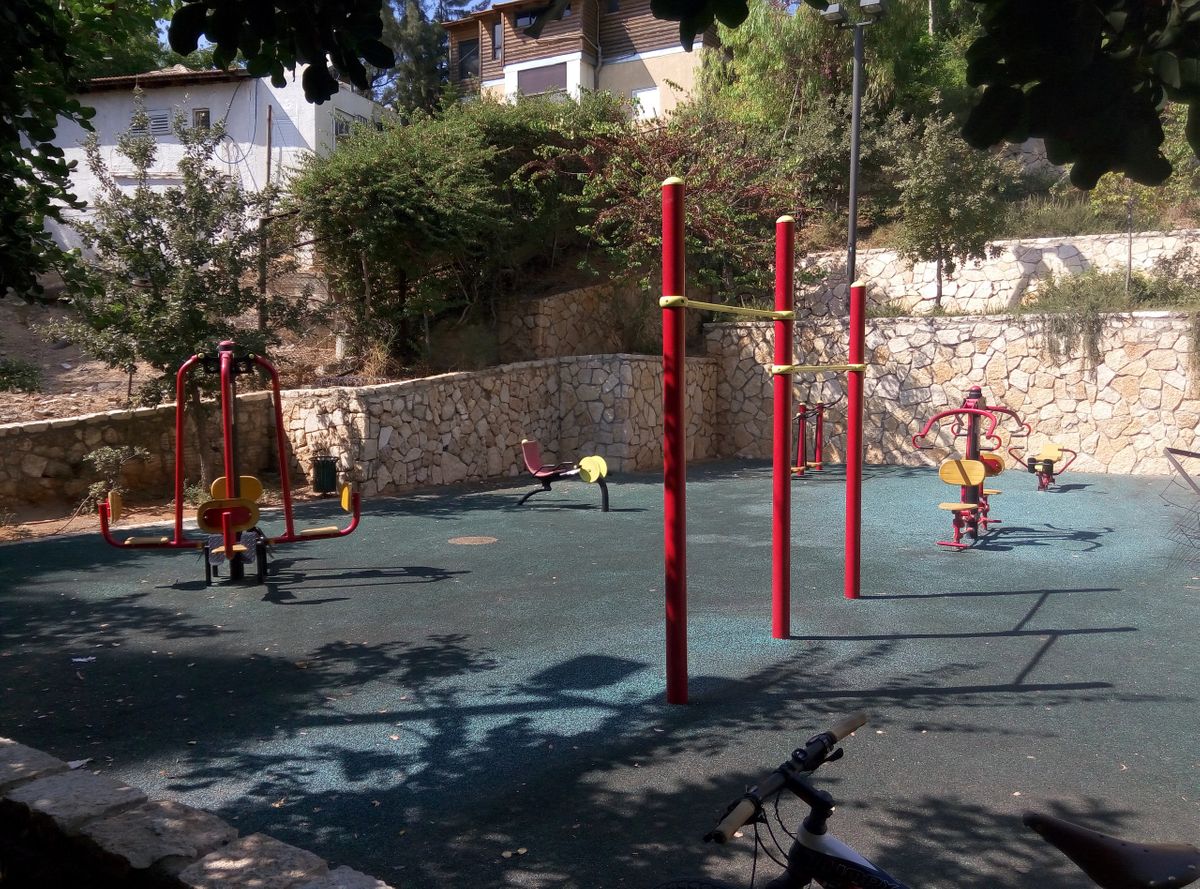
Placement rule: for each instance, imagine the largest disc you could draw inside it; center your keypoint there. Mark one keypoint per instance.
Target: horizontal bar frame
(671, 302)
(817, 368)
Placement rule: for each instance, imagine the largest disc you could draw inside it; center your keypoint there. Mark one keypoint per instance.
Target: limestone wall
(392, 437)
(43, 461)
(1119, 415)
(1013, 270)
(468, 426)
(598, 320)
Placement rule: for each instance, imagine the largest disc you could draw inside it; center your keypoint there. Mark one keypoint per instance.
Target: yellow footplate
(138, 541)
(316, 532)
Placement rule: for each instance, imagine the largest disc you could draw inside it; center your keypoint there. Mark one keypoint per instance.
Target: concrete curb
(65, 827)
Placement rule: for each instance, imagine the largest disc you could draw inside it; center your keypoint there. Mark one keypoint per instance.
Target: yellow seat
(959, 507)
(965, 473)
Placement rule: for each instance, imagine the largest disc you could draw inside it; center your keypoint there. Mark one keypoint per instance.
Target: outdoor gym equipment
(230, 518)
(591, 469)
(972, 512)
(674, 303)
(817, 411)
(817, 856)
(1043, 463)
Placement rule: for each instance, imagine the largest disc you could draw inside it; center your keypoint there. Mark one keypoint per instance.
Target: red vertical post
(854, 443)
(819, 438)
(674, 441)
(781, 501)
(801, 439)
(180, 378)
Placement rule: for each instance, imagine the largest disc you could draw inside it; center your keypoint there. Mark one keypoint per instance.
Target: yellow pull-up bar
(817, 368)
(670, 302)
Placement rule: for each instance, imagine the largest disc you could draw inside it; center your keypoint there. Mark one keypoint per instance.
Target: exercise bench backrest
(1051, 452)
(532, 452)
(964, 473)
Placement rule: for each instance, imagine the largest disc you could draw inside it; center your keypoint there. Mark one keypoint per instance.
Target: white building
(267, 129)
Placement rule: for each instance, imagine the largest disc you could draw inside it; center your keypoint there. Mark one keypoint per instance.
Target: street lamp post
(872, 11)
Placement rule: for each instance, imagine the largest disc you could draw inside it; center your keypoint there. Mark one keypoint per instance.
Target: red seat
(532, 452)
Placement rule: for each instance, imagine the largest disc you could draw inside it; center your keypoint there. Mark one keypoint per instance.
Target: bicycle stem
(820, 802)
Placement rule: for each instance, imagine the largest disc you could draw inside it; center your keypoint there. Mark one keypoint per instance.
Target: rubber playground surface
(460, 679)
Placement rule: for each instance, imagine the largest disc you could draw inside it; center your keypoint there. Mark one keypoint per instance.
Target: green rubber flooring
(416, 705)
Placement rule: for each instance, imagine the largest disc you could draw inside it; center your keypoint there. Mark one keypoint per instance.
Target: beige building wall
(624, 78)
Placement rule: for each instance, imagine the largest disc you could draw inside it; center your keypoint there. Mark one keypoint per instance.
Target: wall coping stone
(71, 798)
(19, 764)
(89, 823)
(257, 860)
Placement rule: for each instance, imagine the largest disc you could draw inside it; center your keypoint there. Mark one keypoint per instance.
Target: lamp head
(872, 9)
(834, 14)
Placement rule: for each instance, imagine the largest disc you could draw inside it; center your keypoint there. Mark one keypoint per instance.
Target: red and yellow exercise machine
(971, 513)
(230, 518)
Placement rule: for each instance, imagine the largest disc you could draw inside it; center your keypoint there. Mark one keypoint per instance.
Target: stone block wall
(1119, 415)
(43, 461)
(468, 426)
(599, 320)
(62, 825)
(1014, 269)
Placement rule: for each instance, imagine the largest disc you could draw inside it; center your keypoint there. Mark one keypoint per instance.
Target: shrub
(19, 376)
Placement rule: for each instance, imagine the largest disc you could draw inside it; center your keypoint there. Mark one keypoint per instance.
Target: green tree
(275, 36)
(416, 81)
(950, 197)
(171, 265)
(735, 192)
(443, 214)
(48, 47)
(1179, 193)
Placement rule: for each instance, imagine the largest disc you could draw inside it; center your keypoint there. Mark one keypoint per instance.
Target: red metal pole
(854, 445)
(284, 481)
(180, 377)
(781, 526)
(674, 441)
(819, 438)
(801, 439)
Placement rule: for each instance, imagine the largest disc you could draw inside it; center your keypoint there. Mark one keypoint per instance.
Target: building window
(648, 104)
(529, 16)
(201, 119)
(566, 13)
(341, 127)
(497, 39)
(160, 124)
(613, 6)
(546, 79)
(468, 59)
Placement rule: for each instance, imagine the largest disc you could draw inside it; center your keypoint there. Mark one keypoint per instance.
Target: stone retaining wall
(1119, 416)
(598, 320)
(468, 426)
(393, 437)
(61, 826)
(994, 285)
(43, 461)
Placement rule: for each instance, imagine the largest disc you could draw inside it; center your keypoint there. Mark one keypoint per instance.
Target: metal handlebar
(816, 751)
(987, 414)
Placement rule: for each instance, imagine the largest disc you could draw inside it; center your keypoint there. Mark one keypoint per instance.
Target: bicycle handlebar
(804, 759)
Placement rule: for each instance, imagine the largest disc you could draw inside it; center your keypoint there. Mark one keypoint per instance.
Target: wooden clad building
(611, 45)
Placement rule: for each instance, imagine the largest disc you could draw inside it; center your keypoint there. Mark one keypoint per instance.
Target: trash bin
(325, 475)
